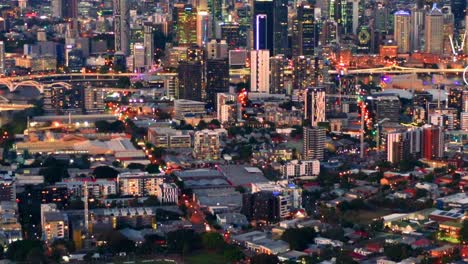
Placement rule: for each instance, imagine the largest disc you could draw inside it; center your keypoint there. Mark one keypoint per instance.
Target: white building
(167, 193)
(207, 144)
(260, 71)
(297, 168)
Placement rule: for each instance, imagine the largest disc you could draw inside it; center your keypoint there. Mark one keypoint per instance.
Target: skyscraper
(277, 74)
(263, 21)
(433, 142)
(306, 30)
(314, 143)
(280, 27)
(217, 78)
(203, 28)
(401, 31)
(434, 35)
(185, 25)
(417, 28)
(260, 71)
(121, 26)
(190, 80)
(314, 105)
(148, 44)
(2, 58)
(397, 147)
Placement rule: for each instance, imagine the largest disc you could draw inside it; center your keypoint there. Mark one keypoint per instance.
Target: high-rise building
(260, 71)
(434, 35)
(329, 33)
(263, 20)
(2, 57)
(417, 28)
(314, 105)
(122, 26)
(458, 7)
(217, 78)
(306, 30)
(277, 74)
(190, 80)
(387, 107)
(227, 108)
(314, 143)
(433, 142)
(346, 14)
(203, 28)
(217, 49)
(215, 7)
(139, 56)
(448, 29)
(280, 27)
(148, 43)
(397, 147)
(64, 8)
(185, 25)
(401, 31)
(206, 145)
(60, 100)
(230, 31)
(138, 184)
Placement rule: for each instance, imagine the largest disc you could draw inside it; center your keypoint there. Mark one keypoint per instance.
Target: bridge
(397, 70)
(14, 107)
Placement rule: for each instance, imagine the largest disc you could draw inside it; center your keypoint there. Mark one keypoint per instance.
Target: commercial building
(188, 108)
(7, 186)
(398, 147)
(165, 137)
(139, 184)
(190, 80)
(402, 31)
(387, 107)
(185, 25)
(217, 78)
(122, 26)
(434, 35)
(167, 193)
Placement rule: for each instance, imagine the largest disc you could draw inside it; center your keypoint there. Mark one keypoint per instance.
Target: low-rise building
(54, 223)
(300, 169)
(167, 193)
(207, 145)
(188, 108)
(165, 137)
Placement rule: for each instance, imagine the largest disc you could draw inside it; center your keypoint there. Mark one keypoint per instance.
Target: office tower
(364, 39)
(2, 58)
(217, 49)
(185, 25)
(433, 142)
(190, 80)
(346, 14)
(215, 8)
(75, 60)
(121, 26)
(464, 121)
(329, 33)
(314, 105)
(263, 21)
(217, 78)
(434, 36)
(260, 71)
(448, 30)
(305, 72)
(207, 145)
(417, 28)
(382, 19)
(314, 143)
(280, 27)
(458, 8)
(148, 43)
(230, 32)
(277, 74)
(238, 58)
(398, 147)
(64, 8)
(139, 56)
(203, 28)
(306, 30)
(387, 107)
(401, 31)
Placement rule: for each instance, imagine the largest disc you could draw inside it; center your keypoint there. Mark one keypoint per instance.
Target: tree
(264, 259)
(104, 69)
(397, 252)
(464, 232)
(136, 166)
(298, 238)
(213, 241)
(116, 242)
(233, 254)
(180, 240)
(123, 82)
(202, 125)
(105, 172)
(20, 250)
(215, 123)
